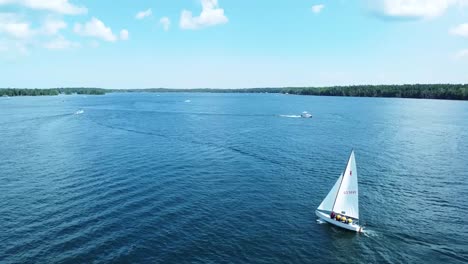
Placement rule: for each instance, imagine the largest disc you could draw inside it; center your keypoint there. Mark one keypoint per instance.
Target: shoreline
(457, 92)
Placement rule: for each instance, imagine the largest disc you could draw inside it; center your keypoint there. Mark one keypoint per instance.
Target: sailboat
(341, 206)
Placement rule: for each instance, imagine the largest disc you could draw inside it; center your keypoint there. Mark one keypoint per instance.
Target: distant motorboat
(79, 112)
(187, 101)
(305, 114)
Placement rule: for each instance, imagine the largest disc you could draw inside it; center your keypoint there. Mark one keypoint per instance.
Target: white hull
(326, 218)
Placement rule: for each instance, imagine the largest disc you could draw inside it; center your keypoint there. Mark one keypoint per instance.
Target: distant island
(423, 91)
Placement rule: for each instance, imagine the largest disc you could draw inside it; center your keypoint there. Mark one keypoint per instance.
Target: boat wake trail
(187, 113)
(34, 119)
(196, 142)
(290, 116)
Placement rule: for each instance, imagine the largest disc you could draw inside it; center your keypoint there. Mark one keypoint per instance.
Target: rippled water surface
(215, 178)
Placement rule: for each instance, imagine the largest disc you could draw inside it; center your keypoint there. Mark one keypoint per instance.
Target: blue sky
(231, 43)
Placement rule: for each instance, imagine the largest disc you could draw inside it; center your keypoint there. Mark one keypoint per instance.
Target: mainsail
(327, 203)
(347, 198)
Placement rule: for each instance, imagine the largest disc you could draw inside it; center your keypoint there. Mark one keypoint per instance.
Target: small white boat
(305, 114)
(341, 206)
(79, 112)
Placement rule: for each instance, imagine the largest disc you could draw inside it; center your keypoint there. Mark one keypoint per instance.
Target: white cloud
(21, 36)
(12, 25)
(142, 14)
(317, 8)
(211, 15)
(95, 28)
(462, 54)
(460, 30)
(415, 9)
(17, 30)
(124, 35)
(165, 22)
(58, 6)
(60, 43)
(52, 27)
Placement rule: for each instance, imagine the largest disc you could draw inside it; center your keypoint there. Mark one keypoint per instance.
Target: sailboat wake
(320, 221)
(370, 233)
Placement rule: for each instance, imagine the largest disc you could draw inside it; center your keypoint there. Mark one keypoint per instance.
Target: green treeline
(28, 92)
(52, 91)
(428, 91)
(90, 91)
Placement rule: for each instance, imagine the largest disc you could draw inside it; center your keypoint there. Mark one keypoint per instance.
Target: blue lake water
(147, 178)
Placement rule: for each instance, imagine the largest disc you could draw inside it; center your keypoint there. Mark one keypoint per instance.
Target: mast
(339, 187)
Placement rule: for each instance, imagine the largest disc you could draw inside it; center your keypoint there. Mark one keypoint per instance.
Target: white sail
(327, 203)
(347, 201)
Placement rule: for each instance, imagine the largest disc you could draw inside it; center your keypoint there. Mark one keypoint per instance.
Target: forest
(427, 91)
(50, 91)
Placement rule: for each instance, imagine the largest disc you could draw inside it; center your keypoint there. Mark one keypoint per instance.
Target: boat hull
(326, 218)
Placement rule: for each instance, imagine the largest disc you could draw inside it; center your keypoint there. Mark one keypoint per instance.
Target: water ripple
(140, 178)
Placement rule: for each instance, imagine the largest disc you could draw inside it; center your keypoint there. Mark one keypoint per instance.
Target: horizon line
(238, 88)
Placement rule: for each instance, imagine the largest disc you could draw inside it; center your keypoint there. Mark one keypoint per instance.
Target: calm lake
(216, 178)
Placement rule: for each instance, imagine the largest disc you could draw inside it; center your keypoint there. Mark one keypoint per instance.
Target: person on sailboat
(332, 215)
